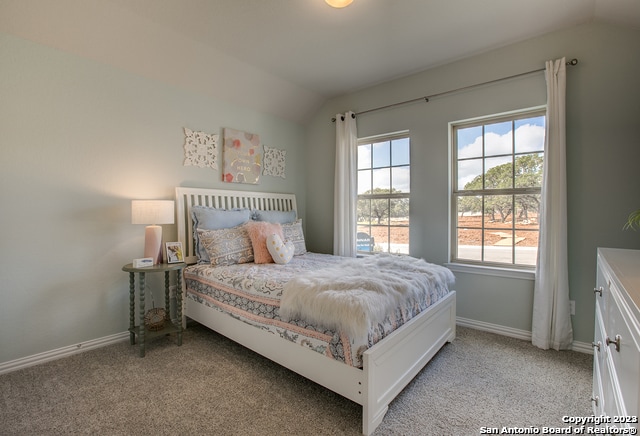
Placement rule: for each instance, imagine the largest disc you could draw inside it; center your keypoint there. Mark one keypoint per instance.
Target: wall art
(242, 154)
(200, 149)
(274, 162)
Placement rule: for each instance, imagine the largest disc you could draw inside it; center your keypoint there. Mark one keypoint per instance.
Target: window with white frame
(383, 194)
(496, 188)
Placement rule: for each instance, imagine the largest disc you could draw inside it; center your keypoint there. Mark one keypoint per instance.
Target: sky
(528, 136)
(499, 139)
(384, 156)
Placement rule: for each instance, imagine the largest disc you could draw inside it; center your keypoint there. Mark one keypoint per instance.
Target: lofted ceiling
(288, 56)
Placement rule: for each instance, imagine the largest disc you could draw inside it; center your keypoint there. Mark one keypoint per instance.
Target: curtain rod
(440, 94)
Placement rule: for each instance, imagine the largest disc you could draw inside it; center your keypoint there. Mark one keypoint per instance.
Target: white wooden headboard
(222, 199)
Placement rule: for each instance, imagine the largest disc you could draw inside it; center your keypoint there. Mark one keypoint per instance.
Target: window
(497, 179)
(383, 194)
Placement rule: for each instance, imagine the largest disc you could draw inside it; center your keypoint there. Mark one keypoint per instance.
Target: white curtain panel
(345, 189)
(551, 326)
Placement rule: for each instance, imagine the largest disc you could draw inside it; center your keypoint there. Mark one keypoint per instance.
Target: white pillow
(281, 252)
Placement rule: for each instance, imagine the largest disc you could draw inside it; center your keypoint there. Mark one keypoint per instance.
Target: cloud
(400, 175)
(528, 138)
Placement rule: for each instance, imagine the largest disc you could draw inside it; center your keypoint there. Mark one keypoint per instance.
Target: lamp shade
(152, 212)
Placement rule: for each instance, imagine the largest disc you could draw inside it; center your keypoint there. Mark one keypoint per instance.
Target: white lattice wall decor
(200, 149)
(274, 161)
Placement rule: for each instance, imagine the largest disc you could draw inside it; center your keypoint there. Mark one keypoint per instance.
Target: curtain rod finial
(573, 61)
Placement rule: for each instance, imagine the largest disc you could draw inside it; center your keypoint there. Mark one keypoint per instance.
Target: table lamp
(153, 212)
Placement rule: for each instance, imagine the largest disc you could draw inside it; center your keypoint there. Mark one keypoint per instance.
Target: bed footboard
(391, 364)
(387, 366)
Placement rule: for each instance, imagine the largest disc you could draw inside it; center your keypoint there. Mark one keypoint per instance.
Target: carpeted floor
(212, 386)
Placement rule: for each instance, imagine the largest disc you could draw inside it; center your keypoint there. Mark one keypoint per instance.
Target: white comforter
(359, 293)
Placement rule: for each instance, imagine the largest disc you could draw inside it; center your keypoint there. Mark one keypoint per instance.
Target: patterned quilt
(251, 292)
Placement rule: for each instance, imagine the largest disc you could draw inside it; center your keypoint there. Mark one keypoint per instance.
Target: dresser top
(625, 264)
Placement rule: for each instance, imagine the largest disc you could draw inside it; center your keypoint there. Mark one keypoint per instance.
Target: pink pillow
(258, 232)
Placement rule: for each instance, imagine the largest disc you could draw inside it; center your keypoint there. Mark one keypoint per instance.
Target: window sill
(522, 274)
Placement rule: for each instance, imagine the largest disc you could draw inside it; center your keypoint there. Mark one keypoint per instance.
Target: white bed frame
(388, 366)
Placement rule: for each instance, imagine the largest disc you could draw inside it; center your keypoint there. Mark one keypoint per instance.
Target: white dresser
(616, 366)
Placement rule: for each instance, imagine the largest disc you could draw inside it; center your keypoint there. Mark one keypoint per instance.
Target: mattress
(251, 293)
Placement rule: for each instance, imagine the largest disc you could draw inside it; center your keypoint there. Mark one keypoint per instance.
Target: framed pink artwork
(242, 154)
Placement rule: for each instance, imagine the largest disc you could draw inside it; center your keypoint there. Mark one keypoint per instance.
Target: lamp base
(153, 243)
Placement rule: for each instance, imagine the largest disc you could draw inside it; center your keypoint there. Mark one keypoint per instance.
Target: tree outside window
(498, 167)
(383, 194)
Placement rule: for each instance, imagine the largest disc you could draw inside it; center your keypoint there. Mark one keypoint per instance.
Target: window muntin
(497, 167)
(384, 172)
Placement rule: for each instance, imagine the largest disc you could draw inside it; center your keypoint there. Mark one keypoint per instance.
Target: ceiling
(334, 51)
(302, 50)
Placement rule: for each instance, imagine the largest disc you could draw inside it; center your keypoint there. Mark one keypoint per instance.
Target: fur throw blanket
(359, 293)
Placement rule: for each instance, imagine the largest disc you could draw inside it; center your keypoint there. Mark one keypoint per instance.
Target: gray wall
(603, 152)
(79, 141)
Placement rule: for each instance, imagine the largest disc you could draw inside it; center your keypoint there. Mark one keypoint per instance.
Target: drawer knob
(595, 400)
(596, 345)
(616, 342)
(598, 290)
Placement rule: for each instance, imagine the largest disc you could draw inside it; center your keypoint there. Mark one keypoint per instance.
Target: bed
(372, 377)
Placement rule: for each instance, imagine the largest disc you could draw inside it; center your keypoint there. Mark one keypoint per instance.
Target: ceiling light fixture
(338, 3)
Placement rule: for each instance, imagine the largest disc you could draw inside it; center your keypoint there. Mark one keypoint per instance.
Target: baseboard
(36, 359)
(581, 347)
(494, 328)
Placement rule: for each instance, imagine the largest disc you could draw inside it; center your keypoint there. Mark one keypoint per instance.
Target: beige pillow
(293, 233)
(227, 246)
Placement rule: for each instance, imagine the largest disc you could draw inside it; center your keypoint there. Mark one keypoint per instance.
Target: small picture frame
(174, 252)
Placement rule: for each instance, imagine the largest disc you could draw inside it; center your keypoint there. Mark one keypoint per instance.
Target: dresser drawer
(597, 398)
(601, 291)
(599, 351)
(625, 357)
(604, 374)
